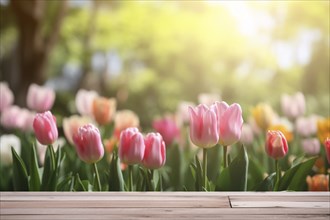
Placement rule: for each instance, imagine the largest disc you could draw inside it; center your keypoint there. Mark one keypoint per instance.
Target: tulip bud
(45, 129)
(293, 106)
(131, 146)
(327, 148)
(306, 127)
(263, 115)
(182, 113)
(72, 124)
(247, 134)
(6, 142)
(125, 119)
(203, 126)
(208, 98)
(16, 117)
(167, 128)
(230, 122)
(9, 117)
(103, 109)
(318, 182)
(40, 98)
(6, 96)
(89, 144)
(276, 144)
(323, 129)
(311, 146)
(155, 151)
(84, 102)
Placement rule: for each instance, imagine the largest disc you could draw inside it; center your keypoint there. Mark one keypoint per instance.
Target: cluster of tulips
(129, 158)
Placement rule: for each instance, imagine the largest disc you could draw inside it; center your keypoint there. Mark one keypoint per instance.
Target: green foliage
(197, 173)
(234, 177)
(20, 176)
(255, 174)
(34, 180)
(51, 169)
(297, 182)
(116, 180)
(174, 160)
(268, 183)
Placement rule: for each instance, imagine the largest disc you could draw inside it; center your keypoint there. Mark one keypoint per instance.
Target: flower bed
(105, 150)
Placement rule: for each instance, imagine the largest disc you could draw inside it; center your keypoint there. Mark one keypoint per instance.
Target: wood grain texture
(165, 205)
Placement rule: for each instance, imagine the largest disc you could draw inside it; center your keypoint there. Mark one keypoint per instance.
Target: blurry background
(151, 55)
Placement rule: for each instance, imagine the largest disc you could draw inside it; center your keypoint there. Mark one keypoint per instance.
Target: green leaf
(159, 186)
(294, 178)
(234, 177)
(213, 162)
(65, 183)
(34, 180)
(298, 182)
(255, 174)
(174, 161)
(79, 185)
(20, 177)
(49, 176)
(198, 175)
(267, 184)
(116, 180)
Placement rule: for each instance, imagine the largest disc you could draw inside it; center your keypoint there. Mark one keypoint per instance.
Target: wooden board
(165, 205)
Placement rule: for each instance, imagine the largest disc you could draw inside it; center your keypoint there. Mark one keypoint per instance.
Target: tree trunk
(34, 46)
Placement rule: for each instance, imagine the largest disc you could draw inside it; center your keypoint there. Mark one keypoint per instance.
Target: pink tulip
(203, 126)
(230, 122)
(15, 117)
(276, 144)
(45, 129)
(25, 120)
(182, 113)
(327, 148)
(311, 146)
(247, 134)
(293, 106)
(72, 124)
(6, 96)
(307, 126)
(89, 144)
(155, 152)
(131, 146)
(84, 102)
(9, 117)
(167, 128)
(208, 98)
(40, 98)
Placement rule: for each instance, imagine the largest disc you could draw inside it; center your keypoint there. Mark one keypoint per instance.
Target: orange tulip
(125, 119)
(104, 109)
(319, 182)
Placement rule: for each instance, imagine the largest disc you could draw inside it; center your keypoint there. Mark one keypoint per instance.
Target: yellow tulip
(323, 129)
(263, 115)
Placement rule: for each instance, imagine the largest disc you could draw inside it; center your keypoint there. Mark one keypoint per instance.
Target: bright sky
(250, 21)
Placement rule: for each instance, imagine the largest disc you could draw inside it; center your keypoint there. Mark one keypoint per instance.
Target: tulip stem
(98, 184)
(204, 168)
(130, 178)
(278, 172)
(225, 161)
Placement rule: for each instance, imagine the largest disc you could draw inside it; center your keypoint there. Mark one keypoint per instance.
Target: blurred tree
(38, 23)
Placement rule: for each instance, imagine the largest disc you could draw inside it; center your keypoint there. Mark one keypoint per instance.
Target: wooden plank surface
(164, 205)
